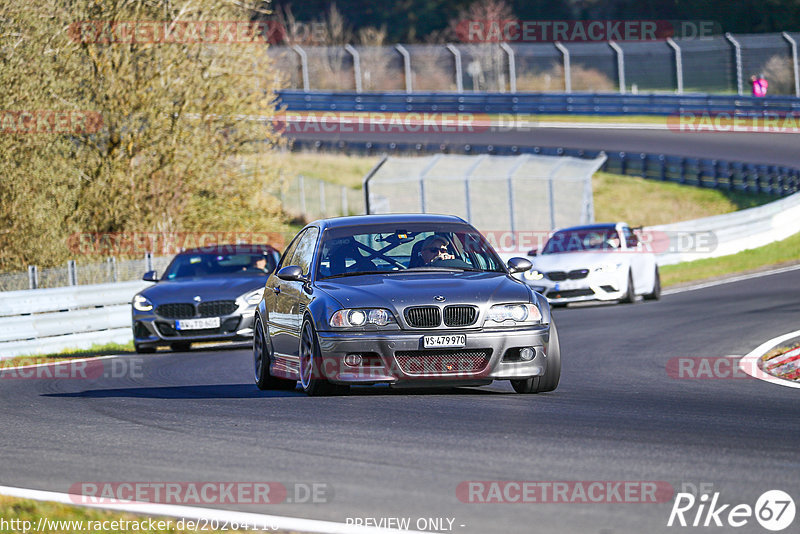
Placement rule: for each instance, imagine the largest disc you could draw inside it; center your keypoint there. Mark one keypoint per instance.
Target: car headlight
(361, 317)
(142, 304)
(511, 314)
(533, 275)
(608, 268)
(254, 297)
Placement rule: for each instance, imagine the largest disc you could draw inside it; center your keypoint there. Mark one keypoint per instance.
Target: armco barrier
(538, 103)
(48, 320)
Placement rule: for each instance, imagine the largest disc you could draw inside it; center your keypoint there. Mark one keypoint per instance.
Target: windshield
(209, 264)
(582, 240)
(391, 248)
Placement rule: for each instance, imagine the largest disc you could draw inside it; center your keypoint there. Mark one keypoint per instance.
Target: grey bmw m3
(406, 300)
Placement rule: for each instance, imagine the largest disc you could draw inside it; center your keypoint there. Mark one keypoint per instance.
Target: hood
(397, 291)
(207, 288)
(568, 261)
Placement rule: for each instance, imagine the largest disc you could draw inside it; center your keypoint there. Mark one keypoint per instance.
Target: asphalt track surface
(767, 148)
(617, 416)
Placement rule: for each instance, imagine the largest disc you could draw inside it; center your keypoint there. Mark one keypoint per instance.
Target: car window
(209, 264)
(286, 259)
(389, 248)
(630, 238)
(593, 239)
(304, 253)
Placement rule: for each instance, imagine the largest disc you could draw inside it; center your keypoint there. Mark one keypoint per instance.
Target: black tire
(180, 346)
(262, 356)
(630, 295)
(143, 350)
(311, 380)
(656, 294)
(552, 374)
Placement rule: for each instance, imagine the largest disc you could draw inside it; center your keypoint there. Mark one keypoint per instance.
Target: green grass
(12, 508)
(107, 349)
(780, 252)
(641, 202)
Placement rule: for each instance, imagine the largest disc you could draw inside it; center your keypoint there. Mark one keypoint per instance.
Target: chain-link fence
(707, 64)
(83, 272)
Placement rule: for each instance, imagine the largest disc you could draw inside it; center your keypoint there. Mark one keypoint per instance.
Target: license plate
(197, 324)
(448, 341)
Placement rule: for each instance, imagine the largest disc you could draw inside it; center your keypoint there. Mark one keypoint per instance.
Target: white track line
(730, 280)
(272, 522)
(749, 363)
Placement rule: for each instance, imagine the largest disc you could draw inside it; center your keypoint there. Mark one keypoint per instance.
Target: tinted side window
(286, 259)
(304, 253)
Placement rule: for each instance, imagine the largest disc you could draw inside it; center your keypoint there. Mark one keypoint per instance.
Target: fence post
(512, 67)
(457, 56)
(148, 261)
(620, 65)
(356, 65)
(303, 65)
(795, 67)
(112, 268)
(367, 178)
(33, 276)
(567, 75)
(678, 64)
(72, 273)
(738, 54)
(406, 66)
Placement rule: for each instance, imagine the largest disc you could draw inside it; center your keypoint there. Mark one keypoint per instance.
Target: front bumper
(399, 357)
(151, 330)
(596, 286)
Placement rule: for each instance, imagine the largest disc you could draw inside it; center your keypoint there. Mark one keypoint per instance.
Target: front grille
(443, 362)
(560, 276)
(423, 317)
(569, 293)
(216, 308)
(577, 274)
(176, 310)
(460, 315)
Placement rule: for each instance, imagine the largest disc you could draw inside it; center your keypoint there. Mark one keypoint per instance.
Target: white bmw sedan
(603, 262)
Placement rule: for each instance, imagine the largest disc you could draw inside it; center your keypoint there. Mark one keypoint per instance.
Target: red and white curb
(271, 522)
(750, 363)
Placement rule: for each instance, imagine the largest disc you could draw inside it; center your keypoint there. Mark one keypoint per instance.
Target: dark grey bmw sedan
(415, 300)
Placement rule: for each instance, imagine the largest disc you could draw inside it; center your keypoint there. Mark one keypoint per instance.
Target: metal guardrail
(50, 320)
(538, 103)
(700, 172)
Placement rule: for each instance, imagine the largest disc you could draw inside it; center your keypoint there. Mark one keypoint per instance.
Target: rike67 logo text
(774, 510)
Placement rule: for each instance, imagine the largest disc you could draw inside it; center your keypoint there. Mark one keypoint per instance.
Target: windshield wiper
(356, 273)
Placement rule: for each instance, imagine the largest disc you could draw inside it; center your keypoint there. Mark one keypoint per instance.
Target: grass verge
(66, 519)
(94, 351)
(780, 252)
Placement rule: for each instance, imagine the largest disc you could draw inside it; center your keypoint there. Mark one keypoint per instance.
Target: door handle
(276, 289)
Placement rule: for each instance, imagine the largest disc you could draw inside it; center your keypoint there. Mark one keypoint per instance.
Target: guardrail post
(72, 273)
(148, 261)
(457, 56)
(33, 277)
(795, 66)
(356, 65)
(678, 64)
(567, 75)
(406, 66)
(738, 54)
(112, 268)
(512, 67)
(620, 65)
(303, 65)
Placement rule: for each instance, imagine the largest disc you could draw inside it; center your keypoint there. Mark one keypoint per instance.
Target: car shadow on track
(250, 391)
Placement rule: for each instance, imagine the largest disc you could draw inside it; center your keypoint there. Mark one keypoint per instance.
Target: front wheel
(656, 294)
(630, 295)
(552, 374)
(311, 379)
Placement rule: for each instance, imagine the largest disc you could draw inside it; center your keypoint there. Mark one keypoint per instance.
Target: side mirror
(150, 276)
(533, 252)
(292, 273)
(519, 265)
